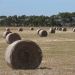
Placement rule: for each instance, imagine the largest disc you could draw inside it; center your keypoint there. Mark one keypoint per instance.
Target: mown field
(58, 53)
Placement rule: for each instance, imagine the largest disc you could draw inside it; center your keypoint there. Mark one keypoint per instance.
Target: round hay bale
(52, 30)
(31, 28)
(57, 28)
(43, 33)
(7, 29)
(6, 33)
(23, 55)
(20, 29)
(10, 38)
(64, 29)
(38, 31)
(73, 29)
(60, 28)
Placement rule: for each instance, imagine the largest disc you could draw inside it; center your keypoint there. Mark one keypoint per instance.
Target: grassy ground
(58, 53)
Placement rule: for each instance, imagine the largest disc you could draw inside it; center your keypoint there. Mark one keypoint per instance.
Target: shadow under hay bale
(23, 55)
(43, 33)
(10, 38)
(6, 33)
(20, 29)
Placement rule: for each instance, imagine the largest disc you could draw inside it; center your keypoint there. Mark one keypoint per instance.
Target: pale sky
(35, 7)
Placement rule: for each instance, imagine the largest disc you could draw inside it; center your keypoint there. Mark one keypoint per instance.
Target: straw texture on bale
(43, 33)
(64, 29)
(10, 38)
(6, 33)
(23, 55)
(20, 29)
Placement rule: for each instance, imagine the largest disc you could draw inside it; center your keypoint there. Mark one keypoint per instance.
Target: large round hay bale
(31, 28)
(73, 29)
(64, 29)
(10, 38)
(7, 29)
(6, 33)
(52, 30)
(23, 55)
(20, 29)
(38, 31)
(43, 33)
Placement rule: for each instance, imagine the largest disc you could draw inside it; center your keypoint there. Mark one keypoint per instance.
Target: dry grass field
(58, 53)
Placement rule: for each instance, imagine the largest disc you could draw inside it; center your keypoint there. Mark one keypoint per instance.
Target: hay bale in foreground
(43, 33)
(10, 38)
(20, 29)
(6, 33)
(23, 55)
(64, 29)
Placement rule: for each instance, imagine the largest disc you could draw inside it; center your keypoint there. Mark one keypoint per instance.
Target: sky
(35, 7)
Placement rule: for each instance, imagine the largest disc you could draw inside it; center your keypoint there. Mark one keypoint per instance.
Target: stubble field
(58, 52)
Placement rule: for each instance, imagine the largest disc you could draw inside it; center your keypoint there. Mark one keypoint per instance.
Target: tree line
(61, 19)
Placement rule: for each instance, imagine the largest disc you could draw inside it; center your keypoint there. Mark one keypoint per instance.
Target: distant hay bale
(10, 38)
(6, 33)
(20, 29)
(43, 33)
(7, 29)
(31, 28)
(57, 28)
(64, 29)
(38, 31)
(73, 29)
(23, 55)
(52, 30)
(60, 28)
